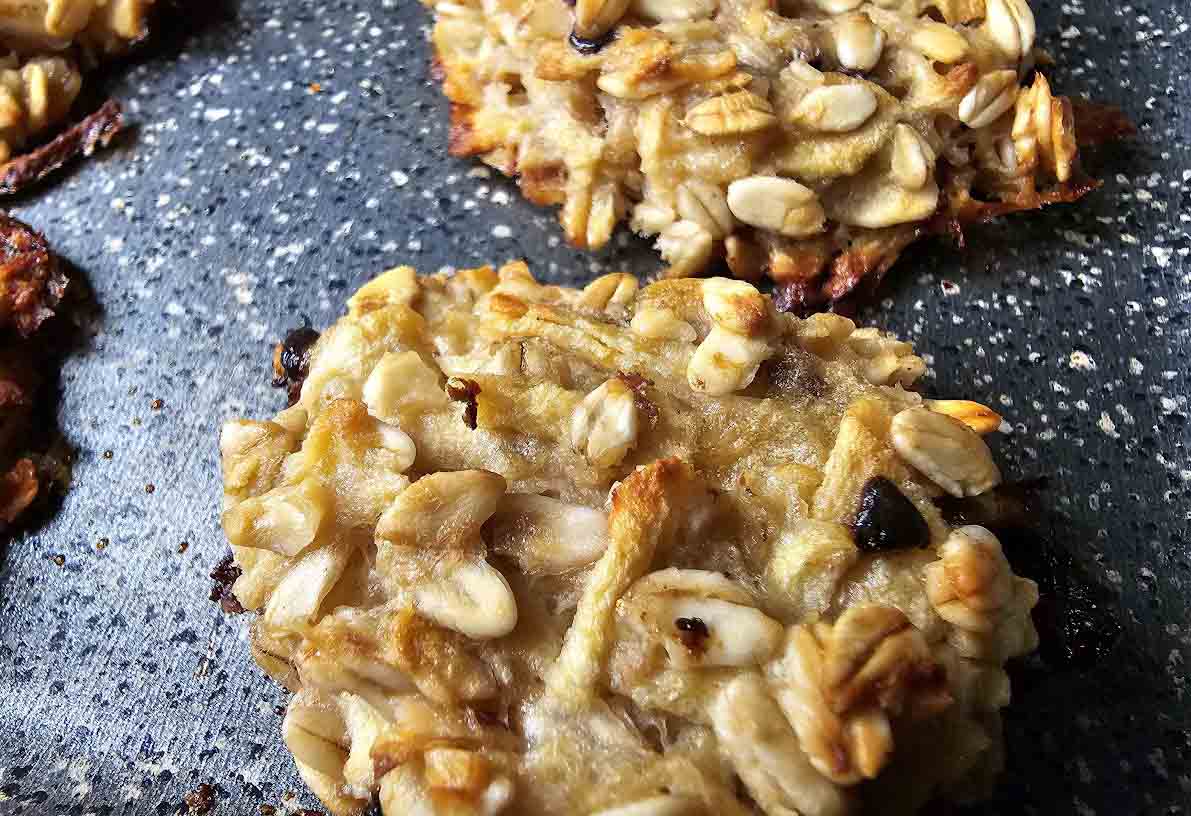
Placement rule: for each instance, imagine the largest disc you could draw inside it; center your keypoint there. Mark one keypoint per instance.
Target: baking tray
(286, 152)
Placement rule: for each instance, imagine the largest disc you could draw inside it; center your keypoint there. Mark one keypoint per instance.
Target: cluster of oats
(656, 551)
(42, 44)
(802, 139)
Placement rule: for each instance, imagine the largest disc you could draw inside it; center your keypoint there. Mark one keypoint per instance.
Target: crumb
(149, 488)
(107, 454)
(102, 544)
(200, 800)
(184, 546)
(157, 404)
(59, 560)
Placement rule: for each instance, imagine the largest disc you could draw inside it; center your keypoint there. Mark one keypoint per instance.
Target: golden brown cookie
(809, 140)
(525, 549)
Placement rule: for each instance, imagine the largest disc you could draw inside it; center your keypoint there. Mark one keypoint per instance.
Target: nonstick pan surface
(287, 152)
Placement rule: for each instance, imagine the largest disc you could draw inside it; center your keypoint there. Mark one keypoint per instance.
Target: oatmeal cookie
(809, 140)
(524, 549)
(44, 46)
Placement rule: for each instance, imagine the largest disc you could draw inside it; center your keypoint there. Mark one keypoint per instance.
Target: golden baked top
(811, 140)
(524, 549)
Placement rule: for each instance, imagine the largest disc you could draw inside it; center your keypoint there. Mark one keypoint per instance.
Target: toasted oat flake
(677, 553)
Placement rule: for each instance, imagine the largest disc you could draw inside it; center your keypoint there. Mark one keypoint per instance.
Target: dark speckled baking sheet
(247, 202)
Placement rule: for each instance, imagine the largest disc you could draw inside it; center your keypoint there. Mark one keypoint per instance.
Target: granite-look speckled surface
(248, 200)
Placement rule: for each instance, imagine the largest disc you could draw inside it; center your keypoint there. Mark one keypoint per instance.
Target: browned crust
(31, 286)
(962, 208)
(818, 276)
(96, 131)
(31, 279)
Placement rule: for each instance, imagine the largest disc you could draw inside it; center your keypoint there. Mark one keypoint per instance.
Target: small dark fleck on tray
(200, 800)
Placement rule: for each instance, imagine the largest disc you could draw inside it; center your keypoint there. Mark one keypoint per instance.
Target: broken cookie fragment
(526, 549)
(808, 142)
(291, 361)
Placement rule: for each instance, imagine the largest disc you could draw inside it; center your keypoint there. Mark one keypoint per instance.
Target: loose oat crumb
(150, 488)
(107, 454)
(184, 546)
(59, 560)
(157, 404)
(102, 544)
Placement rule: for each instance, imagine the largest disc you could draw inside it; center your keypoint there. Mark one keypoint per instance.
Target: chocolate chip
(693, 633)
(887, 520)
(641, 399)
(588, 47)
(291, 360)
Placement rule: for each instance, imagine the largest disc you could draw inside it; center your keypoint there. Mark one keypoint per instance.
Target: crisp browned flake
(78, 141)
(31, 278)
